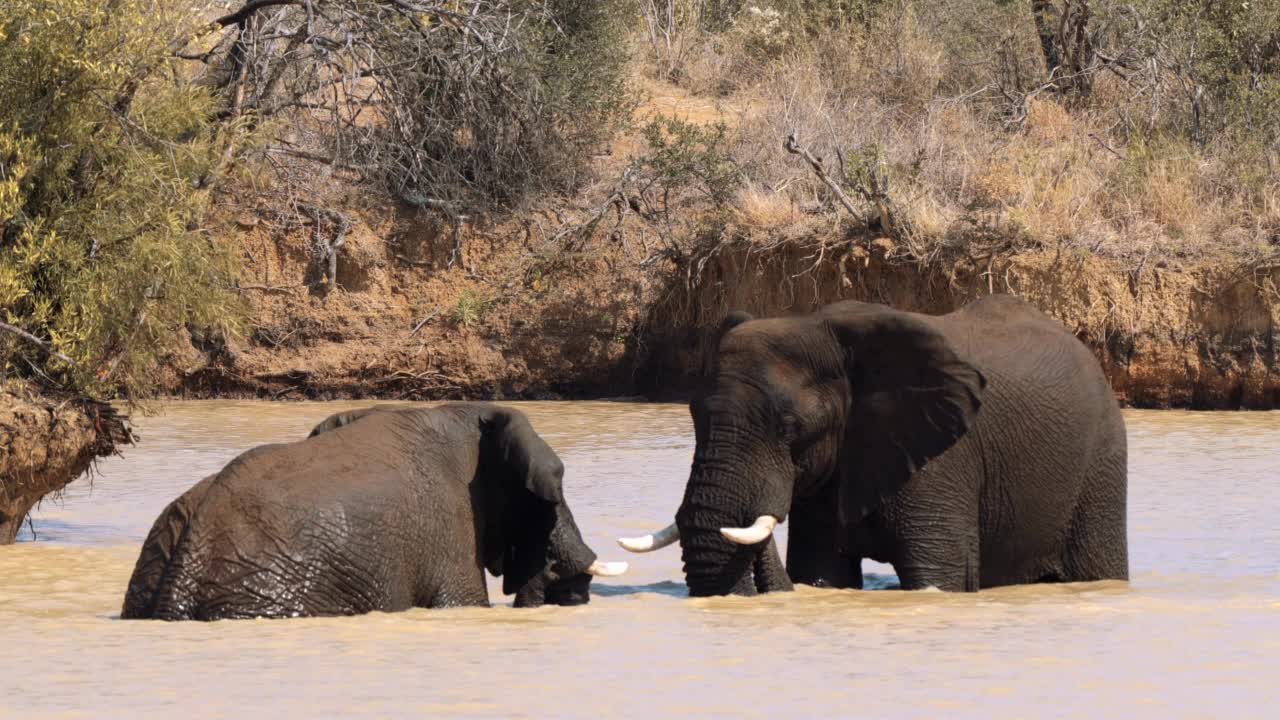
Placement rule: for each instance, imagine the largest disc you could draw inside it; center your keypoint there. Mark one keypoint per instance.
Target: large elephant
(974, 449)
(378, 509)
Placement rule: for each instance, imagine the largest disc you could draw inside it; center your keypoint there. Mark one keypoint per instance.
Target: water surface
(1195, 634)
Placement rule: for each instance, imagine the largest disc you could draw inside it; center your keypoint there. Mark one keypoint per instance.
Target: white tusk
(606, 569)
(760, 530)
(656, 541)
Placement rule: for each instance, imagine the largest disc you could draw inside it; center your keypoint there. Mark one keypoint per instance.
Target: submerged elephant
(974, 449)
(378, 509)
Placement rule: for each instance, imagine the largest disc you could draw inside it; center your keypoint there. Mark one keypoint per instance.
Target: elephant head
(855, 395)
(529, 536)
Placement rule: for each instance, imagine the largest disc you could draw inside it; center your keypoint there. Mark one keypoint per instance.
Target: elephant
(975, 449)
(383, 508)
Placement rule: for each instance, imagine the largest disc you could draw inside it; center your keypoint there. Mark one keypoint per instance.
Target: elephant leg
(946, 562)
(814, 542)
(770, 575)
(453, 589)
(1097, 543)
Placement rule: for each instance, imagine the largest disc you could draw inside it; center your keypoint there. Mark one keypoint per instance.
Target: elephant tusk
(606, 569)
(760, 530)
(656, 541)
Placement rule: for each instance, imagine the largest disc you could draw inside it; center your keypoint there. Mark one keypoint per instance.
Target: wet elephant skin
(378, 509)
(969, 450)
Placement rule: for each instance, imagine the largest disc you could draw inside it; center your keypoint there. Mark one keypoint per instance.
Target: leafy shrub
(107, 158)
(683, 156)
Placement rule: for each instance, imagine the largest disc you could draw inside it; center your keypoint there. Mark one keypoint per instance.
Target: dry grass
(964, 160)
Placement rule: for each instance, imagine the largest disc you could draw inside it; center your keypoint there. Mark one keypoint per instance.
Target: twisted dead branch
(793, 147)
(45, 346)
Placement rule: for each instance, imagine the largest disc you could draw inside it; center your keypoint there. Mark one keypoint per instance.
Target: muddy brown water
(1195, 634)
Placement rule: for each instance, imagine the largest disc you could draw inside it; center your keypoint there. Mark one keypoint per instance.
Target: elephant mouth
(566, 586)
(570, 592)
(574, 590)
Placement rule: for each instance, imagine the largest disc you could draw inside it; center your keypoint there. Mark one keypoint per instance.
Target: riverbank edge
(599, 319)
(47, 440)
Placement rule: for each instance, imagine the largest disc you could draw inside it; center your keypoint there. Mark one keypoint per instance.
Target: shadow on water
(878, 581)
(669, 588)
(67, 532)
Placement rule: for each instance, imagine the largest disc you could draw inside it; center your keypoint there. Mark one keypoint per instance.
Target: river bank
(526, 314)
(47, 441)
(520, 317)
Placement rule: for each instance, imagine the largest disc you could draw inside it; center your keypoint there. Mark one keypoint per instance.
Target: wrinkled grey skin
(378, 509)
(970, 450)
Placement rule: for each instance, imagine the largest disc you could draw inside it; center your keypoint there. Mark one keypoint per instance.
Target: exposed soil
(527, 314)
(45, 443)
(520, 314)
(530, 309)
(1197, 335)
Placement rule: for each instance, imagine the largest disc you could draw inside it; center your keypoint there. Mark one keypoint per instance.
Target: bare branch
(42, 344)
(794, 148)
(248, 9)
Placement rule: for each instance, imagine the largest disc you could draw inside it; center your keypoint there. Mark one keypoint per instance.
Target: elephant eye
(788, 426)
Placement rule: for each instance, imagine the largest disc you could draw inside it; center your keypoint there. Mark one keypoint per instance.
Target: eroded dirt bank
(1193, 334)
(45, 443)
(523, 312)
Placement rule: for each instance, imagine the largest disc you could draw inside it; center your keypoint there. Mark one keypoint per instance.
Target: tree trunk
(1042, 11)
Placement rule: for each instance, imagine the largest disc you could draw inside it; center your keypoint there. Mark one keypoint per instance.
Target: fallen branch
(424, 321)
(268, 288)
(249, 9)
(794, 148)
(295, 375)
(42, 344)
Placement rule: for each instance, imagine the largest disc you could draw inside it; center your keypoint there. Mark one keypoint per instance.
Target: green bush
(107, 157)
(1228, 55)
(684, 157)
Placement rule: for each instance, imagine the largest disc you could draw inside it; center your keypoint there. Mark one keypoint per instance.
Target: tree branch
(794, 148)
(248, 9)
(43, 345)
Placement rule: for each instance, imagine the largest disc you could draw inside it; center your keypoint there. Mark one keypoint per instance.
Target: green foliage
(865, 167)
(471, 308)
(685, 156)
(1229, 55)
(106, 158)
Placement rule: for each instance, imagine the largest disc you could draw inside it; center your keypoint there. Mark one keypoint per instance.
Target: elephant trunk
(713, 565)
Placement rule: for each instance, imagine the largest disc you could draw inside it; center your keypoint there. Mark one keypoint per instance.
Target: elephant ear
(530, 478)
(912, 398)
(528, 458)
